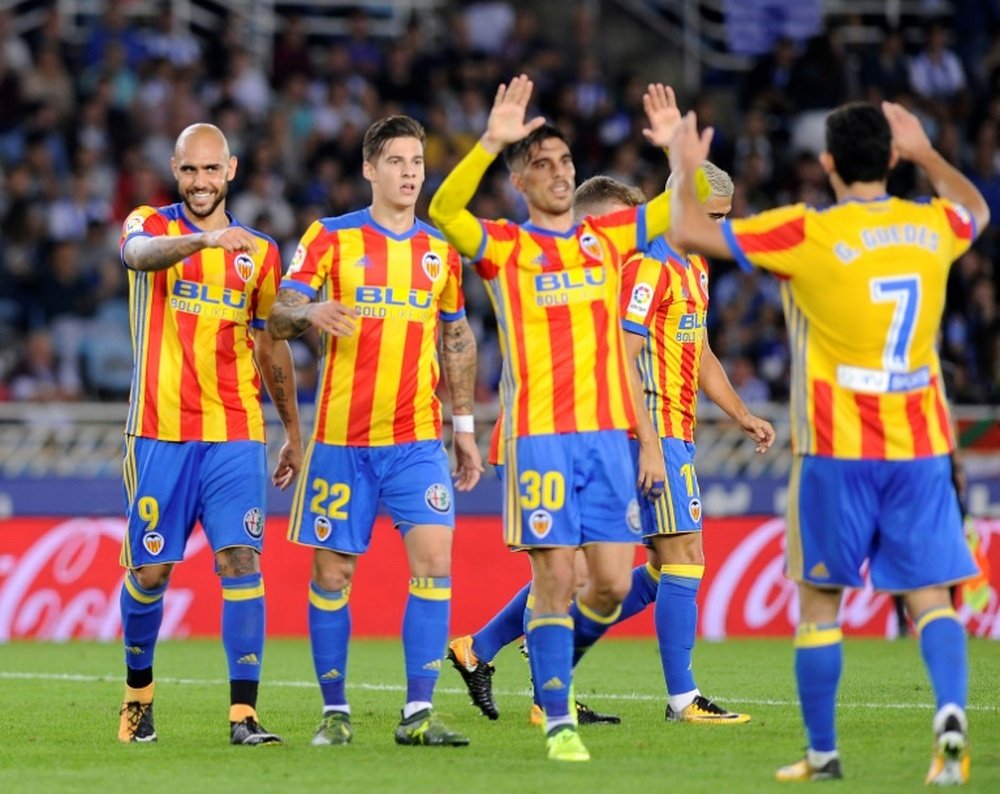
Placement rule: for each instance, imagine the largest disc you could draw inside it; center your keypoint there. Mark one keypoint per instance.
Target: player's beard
(220, 196)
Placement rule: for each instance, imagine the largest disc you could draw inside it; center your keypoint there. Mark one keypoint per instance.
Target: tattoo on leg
(238, 561)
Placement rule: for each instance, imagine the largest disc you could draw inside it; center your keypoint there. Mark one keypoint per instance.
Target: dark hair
(518, 154)
(384, 130)
(601, 189)
(859, 139)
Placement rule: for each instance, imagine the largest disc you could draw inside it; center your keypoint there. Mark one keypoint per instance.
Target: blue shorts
(569, 489)
(170, 485)
(339, 489)
(901, 516)
(679, 508)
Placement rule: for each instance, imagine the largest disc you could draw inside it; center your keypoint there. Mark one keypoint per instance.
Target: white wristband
(463, 423)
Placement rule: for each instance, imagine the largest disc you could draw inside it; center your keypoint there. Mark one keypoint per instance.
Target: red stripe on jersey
(493, 458)
(823, 417)
(225, 365)
(601, 322)
(787, 235)
(512, 293)
(561, 345)
(918, 425)
(659, 331)
(872, 429)
(687, 391)
(962, 227)
(404, 423)
(325, 399)
(187, 327)
(157, 296)
(369, 344)
(941, 410)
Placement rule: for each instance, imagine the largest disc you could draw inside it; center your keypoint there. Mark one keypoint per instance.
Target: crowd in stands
(87, 129)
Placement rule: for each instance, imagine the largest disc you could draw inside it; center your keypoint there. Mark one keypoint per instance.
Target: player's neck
(552, 222)
(396, 219)
(672, 242)
(209, 223)
(859, 191)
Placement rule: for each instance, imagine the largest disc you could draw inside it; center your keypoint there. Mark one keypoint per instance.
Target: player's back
(863, 306)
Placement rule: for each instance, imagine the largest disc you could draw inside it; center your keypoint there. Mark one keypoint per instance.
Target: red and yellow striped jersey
(556, 302)
(194, 377)
(863, 290)
(664, 298)
(377, 387)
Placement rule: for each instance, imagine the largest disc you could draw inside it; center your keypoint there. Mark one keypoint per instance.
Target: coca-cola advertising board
(60, 580)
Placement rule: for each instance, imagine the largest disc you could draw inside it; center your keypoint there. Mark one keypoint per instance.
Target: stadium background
(92, 95)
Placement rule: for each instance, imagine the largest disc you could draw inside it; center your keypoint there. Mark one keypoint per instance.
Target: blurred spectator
(885, 73)
(36, 377)
(13, 49)
(936, 72)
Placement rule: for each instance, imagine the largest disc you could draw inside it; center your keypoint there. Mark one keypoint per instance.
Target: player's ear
(231, 173)
(516, 181)
(826, 161)
(368, 170)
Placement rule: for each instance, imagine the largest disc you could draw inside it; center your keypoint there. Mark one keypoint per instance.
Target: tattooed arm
(274, 361)
(458, 361)
(293, 313)
(158, 253)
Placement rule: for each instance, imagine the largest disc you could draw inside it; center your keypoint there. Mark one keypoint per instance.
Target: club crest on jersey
(298, 257)
(153, 543)
(438, 498)
(642, 297)
(694, 509)
(432, 265)
(591, 246)
(703, 280)
(253, 522)
(540, 522)
(322, 528)
(244, 267)
(134, 223)
(632, 517)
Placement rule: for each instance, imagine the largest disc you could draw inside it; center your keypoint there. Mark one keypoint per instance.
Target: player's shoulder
(139, 215)
(266, 239)
(503, 228)
(349, 220)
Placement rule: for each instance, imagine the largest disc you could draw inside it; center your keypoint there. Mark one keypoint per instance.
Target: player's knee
(605, 596)
(683, 549)
(332, 572)
(151, 577)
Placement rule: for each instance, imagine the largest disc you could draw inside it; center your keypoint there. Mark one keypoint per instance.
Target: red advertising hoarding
(59, 580)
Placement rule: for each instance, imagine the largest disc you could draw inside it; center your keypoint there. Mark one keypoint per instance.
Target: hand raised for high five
(688, 149)
(506, 124)
(662, 112)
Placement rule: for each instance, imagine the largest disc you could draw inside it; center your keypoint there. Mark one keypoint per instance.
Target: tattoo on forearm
(157, 253)
(287, 318)
(458, 360)
(279, 395)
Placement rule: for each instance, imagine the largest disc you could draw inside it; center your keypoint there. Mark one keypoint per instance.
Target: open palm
(662, 113)
(506, 123)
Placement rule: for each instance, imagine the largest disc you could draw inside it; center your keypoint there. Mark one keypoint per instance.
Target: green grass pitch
(58, 721)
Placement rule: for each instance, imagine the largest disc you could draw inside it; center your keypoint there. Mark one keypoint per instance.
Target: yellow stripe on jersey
(864, 297)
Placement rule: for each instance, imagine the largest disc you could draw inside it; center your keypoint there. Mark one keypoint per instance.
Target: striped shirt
(194, 377)
(377, 387)
(664, 298)
(556, 300)
(863, 290)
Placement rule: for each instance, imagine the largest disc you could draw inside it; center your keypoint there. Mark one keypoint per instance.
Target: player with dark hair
(565, 393)
(863, 284)
(200, 289)
(376, 283)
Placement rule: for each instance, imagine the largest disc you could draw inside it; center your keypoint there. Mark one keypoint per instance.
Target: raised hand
(908, 136)
(662, 112)
(688, 149)
(506, 124)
